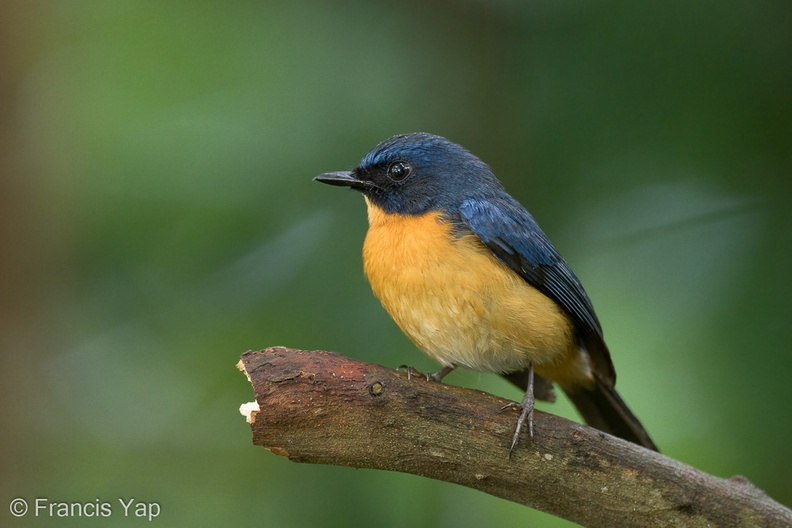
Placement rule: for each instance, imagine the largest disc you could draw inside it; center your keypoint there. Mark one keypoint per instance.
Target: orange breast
(462, 306)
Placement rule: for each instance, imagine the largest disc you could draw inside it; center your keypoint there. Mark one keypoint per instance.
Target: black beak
(341, 179)
(344, 179)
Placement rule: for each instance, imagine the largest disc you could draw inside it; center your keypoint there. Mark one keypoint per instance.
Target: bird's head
(413, 174)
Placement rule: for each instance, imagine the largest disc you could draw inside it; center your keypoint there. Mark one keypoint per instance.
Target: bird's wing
(512, 234)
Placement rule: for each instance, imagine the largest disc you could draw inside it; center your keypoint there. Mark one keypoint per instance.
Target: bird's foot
(412, 371)
(526, 414)
(526, 407)
(437, 376)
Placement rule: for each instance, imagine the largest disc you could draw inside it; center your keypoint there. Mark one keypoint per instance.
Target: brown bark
(321, 407)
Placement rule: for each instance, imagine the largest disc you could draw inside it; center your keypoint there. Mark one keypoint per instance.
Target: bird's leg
(527, 408)
(440, 374)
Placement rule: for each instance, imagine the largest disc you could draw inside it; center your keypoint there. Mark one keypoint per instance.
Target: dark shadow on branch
(323, 408)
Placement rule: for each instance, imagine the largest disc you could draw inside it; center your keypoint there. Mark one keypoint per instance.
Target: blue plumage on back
(512, 234)
(511, 229)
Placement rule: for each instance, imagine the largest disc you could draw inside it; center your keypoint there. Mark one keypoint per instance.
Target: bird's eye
(399, 170)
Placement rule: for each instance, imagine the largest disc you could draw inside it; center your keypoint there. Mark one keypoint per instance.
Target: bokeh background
(158, 218)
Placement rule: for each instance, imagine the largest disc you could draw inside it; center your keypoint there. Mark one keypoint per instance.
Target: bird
(468, 275)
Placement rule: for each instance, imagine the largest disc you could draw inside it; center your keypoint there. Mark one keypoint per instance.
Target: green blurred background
(158, 219)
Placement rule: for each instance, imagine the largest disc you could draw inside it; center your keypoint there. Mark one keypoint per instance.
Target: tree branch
(323, 408)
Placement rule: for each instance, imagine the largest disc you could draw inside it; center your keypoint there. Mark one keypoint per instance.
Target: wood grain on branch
(321, 407)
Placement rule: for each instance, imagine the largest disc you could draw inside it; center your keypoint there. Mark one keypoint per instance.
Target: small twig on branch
(323, 408)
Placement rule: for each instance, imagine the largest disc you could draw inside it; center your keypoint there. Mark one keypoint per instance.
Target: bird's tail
(602, 407)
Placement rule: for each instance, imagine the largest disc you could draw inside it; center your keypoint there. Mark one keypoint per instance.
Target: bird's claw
(526, 413)
(412, 371)
(436, 376)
